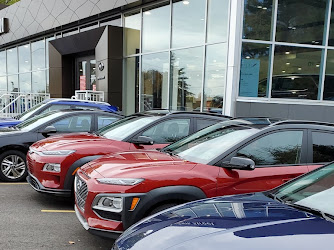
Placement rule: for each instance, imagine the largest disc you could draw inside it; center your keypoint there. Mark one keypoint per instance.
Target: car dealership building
(242, 57)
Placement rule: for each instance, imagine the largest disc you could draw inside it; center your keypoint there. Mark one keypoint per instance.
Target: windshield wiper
(314, 211)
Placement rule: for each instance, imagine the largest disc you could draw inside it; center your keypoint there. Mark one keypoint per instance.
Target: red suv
(53, 162)
(231, 157)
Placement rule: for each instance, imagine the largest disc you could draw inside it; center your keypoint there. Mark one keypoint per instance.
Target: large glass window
(155, 69)
(215, 77)
(254, 70)
(131, 86)
(3, 70)
(323, 148)
(329, 77)
(301, 21)
(24, 58)
(296, 74)
(3, 83)
(13, 83)
(132, 24)
(188, 23)
(38, 82)
(217, 24)
(38, 55)
(257, 19)
(275, 149)
(186, 79)
(156, 29)
(12, 62)
(25, 82)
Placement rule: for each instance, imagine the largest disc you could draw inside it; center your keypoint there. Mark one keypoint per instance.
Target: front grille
(30, 165)
(81, 192)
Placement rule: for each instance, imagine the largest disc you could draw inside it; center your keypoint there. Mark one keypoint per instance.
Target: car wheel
(162, 207)
(13, 166)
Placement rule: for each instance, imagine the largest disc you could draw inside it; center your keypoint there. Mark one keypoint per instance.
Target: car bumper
(96, 231)
(37, 186)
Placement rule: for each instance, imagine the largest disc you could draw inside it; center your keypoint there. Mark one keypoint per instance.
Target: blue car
(296, 215)
(55, 105)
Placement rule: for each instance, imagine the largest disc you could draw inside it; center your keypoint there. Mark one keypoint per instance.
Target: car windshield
(314, 191)
(125, 127)
(37, 121)
(27, 114)
(207, 144)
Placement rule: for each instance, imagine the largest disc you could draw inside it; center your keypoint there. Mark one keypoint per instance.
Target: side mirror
(143, 140)
(48, 130)
(239, 163)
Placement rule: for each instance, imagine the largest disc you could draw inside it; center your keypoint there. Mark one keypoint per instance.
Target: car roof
(76, 110)
(164, 112)
(74, 101)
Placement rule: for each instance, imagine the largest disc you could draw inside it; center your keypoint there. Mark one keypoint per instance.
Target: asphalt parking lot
(29, 220)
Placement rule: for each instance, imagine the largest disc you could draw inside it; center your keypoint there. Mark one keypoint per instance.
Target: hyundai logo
(101, 66)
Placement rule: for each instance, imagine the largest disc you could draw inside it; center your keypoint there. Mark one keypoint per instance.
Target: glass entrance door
(86, 73)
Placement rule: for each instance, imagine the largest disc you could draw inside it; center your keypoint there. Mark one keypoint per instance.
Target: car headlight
(52, 167)
(58, 152)
(121, 181)
(110, 203)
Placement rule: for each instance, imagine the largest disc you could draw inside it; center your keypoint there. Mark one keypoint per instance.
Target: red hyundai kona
(113, 192)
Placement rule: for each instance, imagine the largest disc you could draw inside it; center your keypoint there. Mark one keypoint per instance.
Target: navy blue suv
(55, 105)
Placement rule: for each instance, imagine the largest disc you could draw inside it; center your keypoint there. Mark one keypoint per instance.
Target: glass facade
(287, 54)
(176, 53)
(24, 68)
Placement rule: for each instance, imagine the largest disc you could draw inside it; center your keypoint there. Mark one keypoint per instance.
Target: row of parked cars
(138, 166)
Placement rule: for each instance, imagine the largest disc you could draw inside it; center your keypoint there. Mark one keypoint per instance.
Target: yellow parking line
(57, 211)
(14, 183)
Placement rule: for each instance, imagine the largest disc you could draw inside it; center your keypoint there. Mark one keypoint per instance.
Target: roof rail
(202, 113)
(287, 122)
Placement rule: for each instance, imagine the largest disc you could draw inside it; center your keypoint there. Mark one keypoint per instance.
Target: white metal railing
(89, 95)
(15, 103)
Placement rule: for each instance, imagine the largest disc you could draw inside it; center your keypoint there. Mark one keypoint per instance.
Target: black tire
(13, 172)
(161, 207)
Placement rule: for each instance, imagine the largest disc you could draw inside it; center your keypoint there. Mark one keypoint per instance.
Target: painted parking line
(57, 211)
(15, 183)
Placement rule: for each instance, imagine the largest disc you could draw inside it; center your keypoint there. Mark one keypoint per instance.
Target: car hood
(138, 164)
(71, 141)
(236, 222)
(7, 122)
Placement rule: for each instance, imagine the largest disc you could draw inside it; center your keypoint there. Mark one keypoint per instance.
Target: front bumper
(96, 231)
(37, 186)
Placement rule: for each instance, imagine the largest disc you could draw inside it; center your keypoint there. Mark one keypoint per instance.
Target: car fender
(156, 197)
(69, 179)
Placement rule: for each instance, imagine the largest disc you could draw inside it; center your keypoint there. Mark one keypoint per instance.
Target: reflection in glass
(329, 78)
(296, 73)
(38, 82)
(156, 23)
(186, 79)
(155, 81)
(258, 19)
(25, 82)
(24, 58)
(254, 70)
(3, 63)
(12, 63)
(131, 86)
(303, 26)
(132, 29)
(188, 23)
(3, 83)
(92, 75)
(38, 55)
(215, 77)
(217, 26)
(13, 83)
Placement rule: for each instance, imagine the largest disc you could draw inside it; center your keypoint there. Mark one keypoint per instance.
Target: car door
(71, 124)
(166, 132)
(279, 156)
(321, 148)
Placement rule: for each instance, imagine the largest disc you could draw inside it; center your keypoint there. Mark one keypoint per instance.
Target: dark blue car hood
(7, 122)
(250, 221)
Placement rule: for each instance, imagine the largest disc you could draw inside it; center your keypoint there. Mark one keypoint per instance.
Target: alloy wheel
(13, 167)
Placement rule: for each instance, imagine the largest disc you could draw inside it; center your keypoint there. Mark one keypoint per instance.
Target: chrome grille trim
(81, 192)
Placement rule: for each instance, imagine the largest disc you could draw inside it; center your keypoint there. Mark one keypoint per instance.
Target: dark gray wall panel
(287, 111)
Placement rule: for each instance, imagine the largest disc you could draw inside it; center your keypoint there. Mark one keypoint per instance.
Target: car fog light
(112, 204)
(52, 167)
